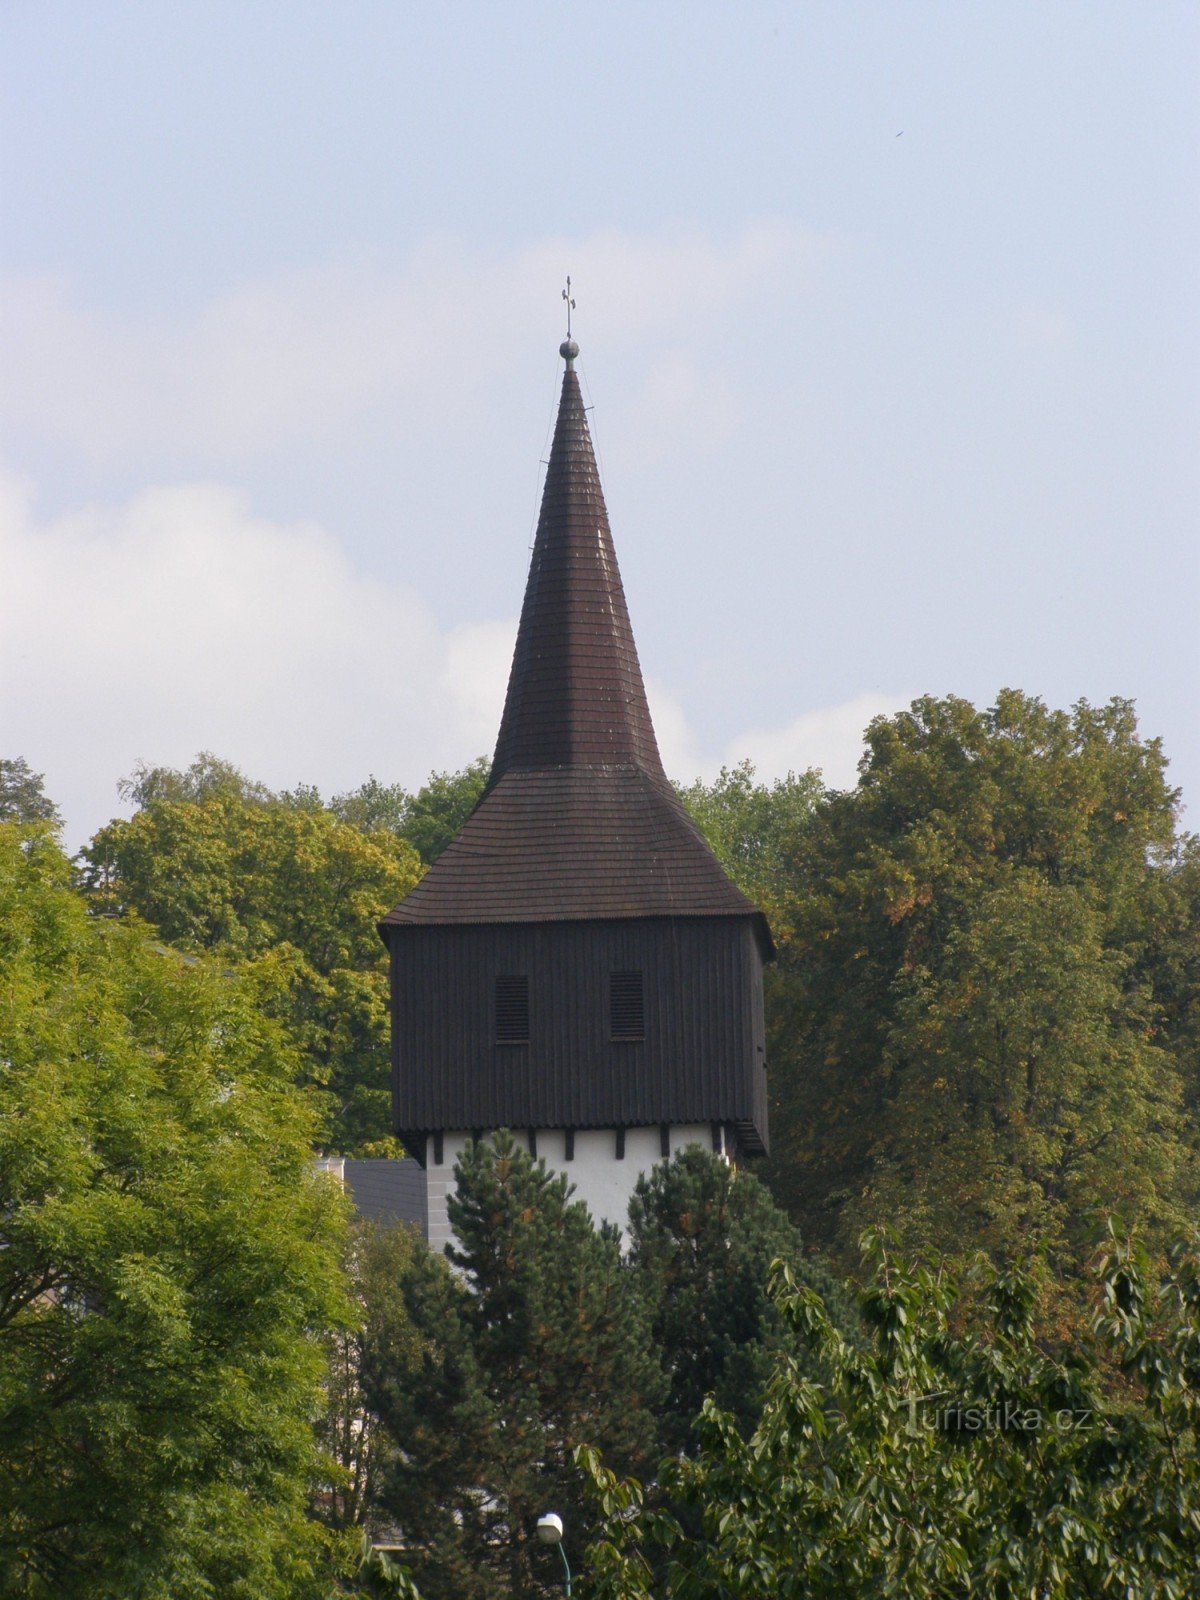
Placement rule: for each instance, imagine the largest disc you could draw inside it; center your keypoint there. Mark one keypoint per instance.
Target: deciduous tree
(937, 1464)
(168, 1259)
(429, 819)
(979, 1021)
(292, 893)
(23, 796)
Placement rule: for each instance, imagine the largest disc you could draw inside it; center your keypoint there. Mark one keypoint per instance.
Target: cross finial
(566, 294)
(568, 349)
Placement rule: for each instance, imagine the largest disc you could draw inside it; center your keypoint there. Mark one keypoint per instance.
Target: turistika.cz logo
(927, 1413)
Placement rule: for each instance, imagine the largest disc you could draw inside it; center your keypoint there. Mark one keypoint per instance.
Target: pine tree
(538, 1343)
(703, 1236)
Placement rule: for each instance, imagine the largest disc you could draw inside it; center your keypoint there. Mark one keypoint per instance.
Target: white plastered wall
(602, 1181)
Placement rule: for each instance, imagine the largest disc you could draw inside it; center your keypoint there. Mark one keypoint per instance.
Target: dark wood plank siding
(700, 1061)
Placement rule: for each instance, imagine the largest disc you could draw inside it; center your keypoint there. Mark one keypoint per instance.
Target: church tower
(576, 966)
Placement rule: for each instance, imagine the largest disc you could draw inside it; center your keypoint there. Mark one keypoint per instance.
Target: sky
(888, 320)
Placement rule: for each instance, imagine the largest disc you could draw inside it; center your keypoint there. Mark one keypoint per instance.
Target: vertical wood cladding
(700, 1058)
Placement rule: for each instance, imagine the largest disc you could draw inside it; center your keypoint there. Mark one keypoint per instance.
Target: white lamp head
(550, 1528)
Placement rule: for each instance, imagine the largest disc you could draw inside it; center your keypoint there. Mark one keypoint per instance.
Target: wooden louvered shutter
(512, 1010)
(626, 1006)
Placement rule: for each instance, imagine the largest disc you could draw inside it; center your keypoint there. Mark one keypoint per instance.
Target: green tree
(293, 894)
(938, 1464)
(702, 1237)
(429, 819)
(23, 796)
(966, 1028)
(206, 778)
(168, 1257)
(538, 1344)
(1025, 1088)
(755, 829)
(378, 1259)
(374, 805)
(1165, 945)
(441, 806)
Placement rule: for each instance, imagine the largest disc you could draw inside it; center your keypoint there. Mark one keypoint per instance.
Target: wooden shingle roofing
(578, 819)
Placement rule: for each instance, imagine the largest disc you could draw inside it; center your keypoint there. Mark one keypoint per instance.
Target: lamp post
(550, 1531)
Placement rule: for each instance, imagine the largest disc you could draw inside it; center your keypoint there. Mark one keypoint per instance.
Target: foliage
(207, 778)
(985, 1007)
(702, 1237)
(935, 1465)
(1165, 945)
(429, 819)
(291, 893)
(373, 805)
(378, 1259)
(538, 1344)
(166, 1253)
(753, 830)
(1024, 1086)
(23, 796)
(380, 1576)
(441, 806)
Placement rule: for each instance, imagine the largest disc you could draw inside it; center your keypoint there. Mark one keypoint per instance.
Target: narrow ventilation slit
(512, 1010)
(626, 1007)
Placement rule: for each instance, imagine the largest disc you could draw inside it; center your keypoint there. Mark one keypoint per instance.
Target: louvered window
(512, 1010)
(626, 1006)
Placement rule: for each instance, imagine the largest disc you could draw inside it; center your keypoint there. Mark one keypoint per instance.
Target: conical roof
(575, 692)
(578, 819)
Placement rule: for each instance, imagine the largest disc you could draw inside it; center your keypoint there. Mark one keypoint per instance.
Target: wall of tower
(602, 1180)
(701, 1059)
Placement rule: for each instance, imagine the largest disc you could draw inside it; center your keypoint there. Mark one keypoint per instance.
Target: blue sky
(888, 318)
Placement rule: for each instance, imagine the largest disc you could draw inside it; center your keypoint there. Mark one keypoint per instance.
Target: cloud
(314, 354)
(830, 739)
(676, 741)
(181, 621)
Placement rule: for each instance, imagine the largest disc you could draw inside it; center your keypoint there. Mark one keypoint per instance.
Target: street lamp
(550, 1531)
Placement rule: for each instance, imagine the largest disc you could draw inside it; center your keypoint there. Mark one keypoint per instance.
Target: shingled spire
(578, 819)
(575, 694)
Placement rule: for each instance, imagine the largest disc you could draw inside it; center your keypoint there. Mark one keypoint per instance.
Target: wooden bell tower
(576, 966)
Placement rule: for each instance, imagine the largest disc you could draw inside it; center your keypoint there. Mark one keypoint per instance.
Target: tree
(1165, 947)
(168, 1259)
(206, 778)
(969, 1029)
(374, 805)
(538, 1344)
(754, 829)
(293, 894)
(702, 1237)
(379, 1257)
(429, 819)
(938, 1464)
(23, 797)
(1025, 1088)
(441, 806)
